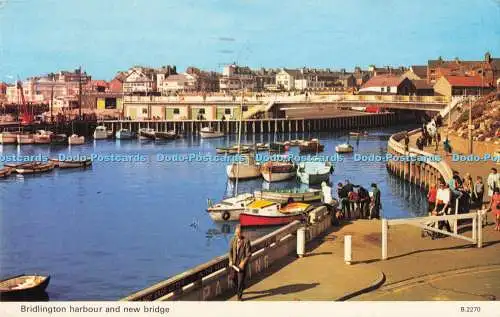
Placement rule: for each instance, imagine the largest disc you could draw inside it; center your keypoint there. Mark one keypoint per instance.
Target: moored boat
(314, 173)
(146, 134)
(59, 139)
(35, 168)
(124, 134)
(248, 169)
(83, 163)
(43, 137)
(364, 133)
(344, 148)
(8, 138)
(229, 209)
(278, 147)
(100, 133)
(312, 146)
(209, 132)
(309, 195)
(278, 171)
(76, 140)
(268, 213)
(25, 138)
(22, 286)
(5, 171)
(166, 135)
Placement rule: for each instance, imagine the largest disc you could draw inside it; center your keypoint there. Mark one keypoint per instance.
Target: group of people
(357, 202)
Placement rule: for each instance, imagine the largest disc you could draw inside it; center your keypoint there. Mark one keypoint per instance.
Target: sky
(105, 36)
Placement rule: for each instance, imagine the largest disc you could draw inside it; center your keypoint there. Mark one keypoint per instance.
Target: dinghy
(146, 134)
(43, 137)
(100, 133)
(59, 139)
(5, 171)
(344, 148)
(125, 134)
(25, 138)
(248, 169)
(284, 196)
(8, 138)
(35, 168)
(167, 135)
(75, 139)
(278, 171)
(209, 132)
(229, 209)
(312, 146)
(314, 173)
(22, 286)
(268, 213)
(83, 163)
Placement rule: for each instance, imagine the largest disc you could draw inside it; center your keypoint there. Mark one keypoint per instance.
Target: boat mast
(239, 139)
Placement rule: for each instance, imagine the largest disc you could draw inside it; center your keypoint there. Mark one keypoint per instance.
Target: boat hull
(24, 293)
(211, 135)
(42, 139)
(5, 171)
(124, 135)
(100, 135)
(343, 149)
(226, 215)
(250, 220)
(35, 168)
(76, 140)
(313, 179)
(243, 171)
(283, 197)
(278, 176)
(8, 138)
(72, 164)
(25, 139)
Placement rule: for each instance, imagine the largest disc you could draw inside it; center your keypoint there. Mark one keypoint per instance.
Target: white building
(178, 82)
(140, 80)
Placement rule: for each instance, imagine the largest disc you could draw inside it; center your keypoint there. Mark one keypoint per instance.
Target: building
(183, 82)
(416, 72)
(388, 85)
(462, 86)
(236, 77)
(205, 81)
(361, 76)
(285, 79)
(387, 70)
(116, 84)
(265, 79)
(422, 87)
(96, 86)
(140, 81)
(3, 92)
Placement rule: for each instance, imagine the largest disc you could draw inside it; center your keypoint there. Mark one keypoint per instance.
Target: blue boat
(125, 134)
(313, 173)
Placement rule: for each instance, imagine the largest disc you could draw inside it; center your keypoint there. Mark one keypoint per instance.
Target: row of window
(200, 111)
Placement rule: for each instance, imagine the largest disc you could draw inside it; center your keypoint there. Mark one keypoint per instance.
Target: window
(244, 108)
(388, 89)
(176, 111)
(382, 89)
(201, 111)
(227, 111)
(144, 110)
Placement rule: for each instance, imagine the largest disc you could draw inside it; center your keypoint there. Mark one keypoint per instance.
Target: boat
(100, 132)
(248, 169)
(233, 150)
(295, 142)
(344, 148)
(261, 147)
(5, 171)
(278, 171)
(22, 286)
(229, 209)
(209, 132)
(35, 168)
(309, 195)
(25, 138)
(268, 213)
(278, 147)
(59, 139)
(75, 139)
(314, 173)
(8, 138)
(167, 135)
(43, 137)
(83, 163)
(364, 133)
(125, 134)
(312, 146)
(146, 134)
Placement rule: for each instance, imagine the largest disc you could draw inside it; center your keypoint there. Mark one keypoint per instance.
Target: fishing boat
(314, 173)
(100, 132)
(21, 286)
(344, 148)
(309, 195)
(278, 171)
(75, 139)
(59, 139)
(43, 137)
(25, 138)
(209, 132)
(125, 134)
(82, 163)
(248, 169)
(166, 135)
(8, 138)
(364, 133)
(5, 171)
(146, 134)
(229, 209)
(261, 147)
(35, 168)
(268, 213)
(312, 146)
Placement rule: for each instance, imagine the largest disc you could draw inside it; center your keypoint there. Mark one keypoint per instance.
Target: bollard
(301, 241)
(347, 249)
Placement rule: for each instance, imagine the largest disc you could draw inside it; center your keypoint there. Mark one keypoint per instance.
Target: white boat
(278, 171)
(344, 148)
(208, 132)
(100, 133)
(76, 140)
(43, 137)
(229, 209)
(8, 138)
(25, 138)
(313, 173)
(125, 134)
(247, 169)
(146, 134)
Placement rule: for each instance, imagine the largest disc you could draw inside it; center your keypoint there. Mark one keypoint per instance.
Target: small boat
(278, 171)
(146, 134)
(76, 140)
(312, 146)
(167, 135)
(278, 147)
(295, 142)
(261, 147)
(35, 168)
(268, 213)
(83, 163)
(309, 195)
(5, 171)
(314, 173)
(209, 132)
(364, 133)
(344, 148)
(59, 139)
(233, 150)
(25, 138)
(125, 134)
(100, 132)
(248, 169)
(8, 138)
(43, 137)
(229, 209)
(22, 286)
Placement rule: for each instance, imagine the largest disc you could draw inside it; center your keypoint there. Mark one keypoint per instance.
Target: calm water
(108, 231)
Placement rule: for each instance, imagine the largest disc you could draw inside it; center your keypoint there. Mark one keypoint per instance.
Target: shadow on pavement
(281, 290)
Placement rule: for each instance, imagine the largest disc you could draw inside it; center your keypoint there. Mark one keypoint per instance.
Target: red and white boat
(229, 209)
(268, 213)
(278, 171)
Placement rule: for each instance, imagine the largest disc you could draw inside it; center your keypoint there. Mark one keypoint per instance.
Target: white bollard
(301, 241)
(347, 249)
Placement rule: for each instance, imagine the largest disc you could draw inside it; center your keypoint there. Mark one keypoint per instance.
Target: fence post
(384, 239)
(347, 249)
(455, 225)
(474, 227)
(479, 230)
(301, 241)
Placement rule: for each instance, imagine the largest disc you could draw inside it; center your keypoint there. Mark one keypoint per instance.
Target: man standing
(327, 200)
(493, 182)
(344, 201)
(239, 255)
(376, 203)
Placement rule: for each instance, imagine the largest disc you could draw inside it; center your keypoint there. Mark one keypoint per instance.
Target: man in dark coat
(376, 203)
(239, 256)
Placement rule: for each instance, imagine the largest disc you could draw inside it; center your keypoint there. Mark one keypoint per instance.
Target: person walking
(495, 207)
(376, 203)
(239, 255)
(493, 182)
(431, 197)
(478, 193)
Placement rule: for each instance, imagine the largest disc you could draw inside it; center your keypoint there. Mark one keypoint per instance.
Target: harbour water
(117, 227)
